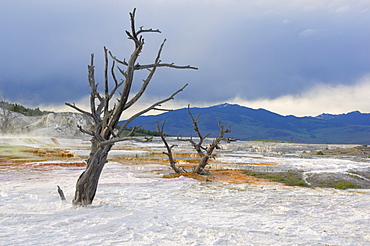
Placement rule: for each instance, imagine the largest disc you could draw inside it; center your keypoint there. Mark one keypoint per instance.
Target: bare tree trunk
(209, 151)
(87, 183)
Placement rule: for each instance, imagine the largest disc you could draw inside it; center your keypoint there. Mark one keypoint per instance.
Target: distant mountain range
(261, 124)
(352, 118)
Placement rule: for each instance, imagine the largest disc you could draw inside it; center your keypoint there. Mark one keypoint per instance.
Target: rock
(52, 125)
(326, 179)
(362, 151)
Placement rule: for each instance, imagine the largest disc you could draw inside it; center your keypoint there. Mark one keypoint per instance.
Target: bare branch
(61, 194)
(197, 146)
(91, 70)
(106, 72)
(152, 69)
(117, 60)
(153, 106)
(179, 138)
(132, 131)
(147, 80)
(117, 85)
(121, 139)
(85, 131)
(130, 36)
(72, 105)
(169, 148)
(230, 139)
(122, 72)
(106, 89)
(147, 30)
(133, 34)
(171, 65)
(129, 76)
(132, 18)
(114, 75)
(94, 93)
(163, 109)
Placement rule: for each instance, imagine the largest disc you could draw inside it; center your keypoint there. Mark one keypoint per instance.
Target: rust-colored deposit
(256, 164)
(9, 165)
(43, 152)
(223, 175)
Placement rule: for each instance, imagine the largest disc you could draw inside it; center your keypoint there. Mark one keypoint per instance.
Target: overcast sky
(300, 57)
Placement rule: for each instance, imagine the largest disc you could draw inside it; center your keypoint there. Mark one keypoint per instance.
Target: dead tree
(205, 153)
(107, 116)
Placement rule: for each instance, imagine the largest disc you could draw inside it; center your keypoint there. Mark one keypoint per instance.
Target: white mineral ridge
(51, 125)
(134, 206)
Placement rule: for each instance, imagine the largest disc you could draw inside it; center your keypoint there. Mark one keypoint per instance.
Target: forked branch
(169, 149)
(153, 106)
(198, 146)
(72, 105)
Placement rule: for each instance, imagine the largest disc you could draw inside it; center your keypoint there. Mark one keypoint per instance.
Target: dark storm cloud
(244, 49)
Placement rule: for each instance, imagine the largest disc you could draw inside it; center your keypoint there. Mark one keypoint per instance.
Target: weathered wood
(198, 146)
(214, 145)
(106, 117)
(205, 153)
(169, 148)
(61, 194)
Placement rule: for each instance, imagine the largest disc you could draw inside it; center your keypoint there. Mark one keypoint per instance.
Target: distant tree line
(142, 132)
(15, 107)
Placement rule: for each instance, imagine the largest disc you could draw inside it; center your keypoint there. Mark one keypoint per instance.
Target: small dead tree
(106, 116)
(205, 153)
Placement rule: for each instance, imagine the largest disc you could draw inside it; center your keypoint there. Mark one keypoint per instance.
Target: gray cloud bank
(246, 51)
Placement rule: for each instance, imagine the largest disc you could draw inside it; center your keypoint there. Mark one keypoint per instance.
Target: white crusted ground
(136, 207)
